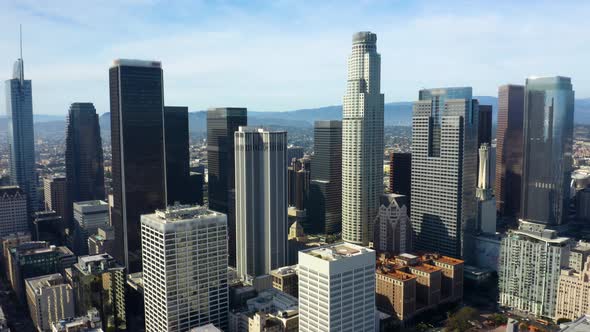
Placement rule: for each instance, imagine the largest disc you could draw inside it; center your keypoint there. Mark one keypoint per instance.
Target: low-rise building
(279, 309)
(407, 284)
(102, 241)
(285, 279)
(573, 293)
(50, 300)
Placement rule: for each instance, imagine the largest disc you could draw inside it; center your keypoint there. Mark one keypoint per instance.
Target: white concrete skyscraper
(184, 252)
(362, 140)
(261, 200)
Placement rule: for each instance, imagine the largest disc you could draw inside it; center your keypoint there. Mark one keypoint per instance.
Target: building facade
(50, 300)
(444, 176)
(486, 202)
(19, 113)
(88, 217)
(325, 203)
(56, 196)
(509, 141)
(261, 200)
(285, 279)
(362, 140)
(177, 154)
(185, 268)
(484, 123)
(222, 123)
(573, 292)
(84, 155)
(138, 157)
(13, 211)
(548, 140)
(337, 288)
(400, 174)
(99, 282)
(393, 229)
(529, 269)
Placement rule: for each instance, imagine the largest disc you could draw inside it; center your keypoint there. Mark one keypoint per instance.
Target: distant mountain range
(398, 113)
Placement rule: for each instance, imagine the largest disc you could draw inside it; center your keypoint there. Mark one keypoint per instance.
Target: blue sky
(288, 54)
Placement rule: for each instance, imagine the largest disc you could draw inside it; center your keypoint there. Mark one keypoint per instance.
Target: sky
(289, 54)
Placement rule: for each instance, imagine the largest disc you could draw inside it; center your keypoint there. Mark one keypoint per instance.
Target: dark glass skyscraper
(400, 175)
(484, 131)
(84, 156)
(177, 154)
(548, 139)
(137, 138)
(509, 149)
(19, 111)
(222, 123)
(325, 203)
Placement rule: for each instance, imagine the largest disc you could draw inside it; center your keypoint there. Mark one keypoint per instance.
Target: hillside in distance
(397, 113)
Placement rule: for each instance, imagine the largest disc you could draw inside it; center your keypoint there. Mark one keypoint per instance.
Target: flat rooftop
(176, 213)
(426, 268)
(91, 203)
(337, 251)
(396, 274)
(448, 260)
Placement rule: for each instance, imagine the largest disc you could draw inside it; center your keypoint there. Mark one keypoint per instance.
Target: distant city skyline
(278, 56)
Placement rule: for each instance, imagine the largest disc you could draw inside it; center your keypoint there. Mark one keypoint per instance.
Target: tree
(459, 321)
(423, 327)
(498, 319)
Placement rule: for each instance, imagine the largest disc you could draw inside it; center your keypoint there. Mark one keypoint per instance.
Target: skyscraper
(325, 203)
(261, 200)
(192, 291)
(400, 174)
(137, 138)
(362, 140)
(509, 149)
(177, 154)
(444, 173)
(89, 216)
(13, 211)
(548, 139)
(55, 191)
(19, 111)
(84, 156)
(484, 122)
(486, 203)
(337, 288)
(222, 123)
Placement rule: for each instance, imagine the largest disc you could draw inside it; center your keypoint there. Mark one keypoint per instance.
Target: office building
(486, 203)
(294, 152)
(298, 185)
(195, 188)
(325, 196)
(31, 259)
(177, 154)
(408, 285)
(19, 113)
(509, 144)
(193, 290)
(393, 229)
(90, 322)
(444, 170)
(99, 282)
(583, 205)
(48, 226)
(261, 200)
(8, 242)
(138, 161)
(578, 255)
(267, 310)
(573, 292)
(548, 139)
(484, 123)
(400, 174)
(55, 190)
(84, 155)
(285, 279)
(50, 300)
(222, 123)
(337, 288)
(362, 140)
(88, 217)
(102, 241)
(13, 211)
(530, 262)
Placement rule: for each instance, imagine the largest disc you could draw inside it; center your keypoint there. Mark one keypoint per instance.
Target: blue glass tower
(19, 111)
(548, 139)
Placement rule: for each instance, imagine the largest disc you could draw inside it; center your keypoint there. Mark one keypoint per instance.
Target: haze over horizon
(286, 55)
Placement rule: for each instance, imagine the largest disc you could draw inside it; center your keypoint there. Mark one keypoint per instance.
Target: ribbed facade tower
(362, 140)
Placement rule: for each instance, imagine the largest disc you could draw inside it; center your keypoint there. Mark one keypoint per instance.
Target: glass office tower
(177, 154)
(548, 139)
(137, 138)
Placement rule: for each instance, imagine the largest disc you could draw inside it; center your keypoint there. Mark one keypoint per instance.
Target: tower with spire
(19, 111)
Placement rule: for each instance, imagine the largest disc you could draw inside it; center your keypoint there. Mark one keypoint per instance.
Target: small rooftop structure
(337, 251)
